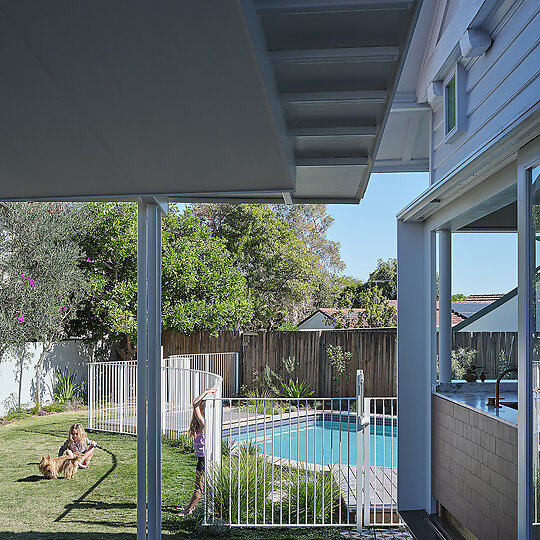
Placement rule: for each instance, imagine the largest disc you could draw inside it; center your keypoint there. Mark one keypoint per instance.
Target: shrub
(64, 387)
(295, 389)
(56, 406)
(461, 360)
(259, 490)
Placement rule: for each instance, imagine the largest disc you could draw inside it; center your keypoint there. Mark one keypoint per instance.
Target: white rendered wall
(65, 354)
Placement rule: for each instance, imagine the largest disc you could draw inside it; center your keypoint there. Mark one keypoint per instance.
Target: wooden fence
(489, 346)
(373, 350)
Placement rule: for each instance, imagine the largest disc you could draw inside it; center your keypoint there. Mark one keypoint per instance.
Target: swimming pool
(322, 440)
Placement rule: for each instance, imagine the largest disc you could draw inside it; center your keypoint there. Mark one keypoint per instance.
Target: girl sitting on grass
(77, 441)
(196, 431)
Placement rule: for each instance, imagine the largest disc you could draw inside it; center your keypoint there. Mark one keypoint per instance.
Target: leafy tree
(281, 273)
(310, 223)
(378, 312)
(458, 297)
(385, 276)
(41, 282)
(201, 289)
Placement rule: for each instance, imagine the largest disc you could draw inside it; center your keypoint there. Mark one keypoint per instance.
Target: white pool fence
(112, 395)
(269, 461)
(303, 462)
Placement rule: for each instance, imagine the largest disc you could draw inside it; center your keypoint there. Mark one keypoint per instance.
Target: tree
(282, 275)
(201, 289)
(378, 312)
(310, 223)
(458, 297)
(42, 284)
(385, 276)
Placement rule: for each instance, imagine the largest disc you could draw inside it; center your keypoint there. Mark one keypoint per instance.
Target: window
(450, 102)
(454, 103)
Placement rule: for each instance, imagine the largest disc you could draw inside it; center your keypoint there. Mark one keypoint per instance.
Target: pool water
(323, 443)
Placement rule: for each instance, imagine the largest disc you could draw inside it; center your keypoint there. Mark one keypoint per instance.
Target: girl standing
(196, 431)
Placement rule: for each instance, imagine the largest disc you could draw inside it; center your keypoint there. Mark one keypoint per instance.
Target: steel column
(154, 372)
(445, 306)
(142, 353)
(526, 294)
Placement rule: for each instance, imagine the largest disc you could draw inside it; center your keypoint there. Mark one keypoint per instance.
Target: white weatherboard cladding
(317, 321)
(502, 85)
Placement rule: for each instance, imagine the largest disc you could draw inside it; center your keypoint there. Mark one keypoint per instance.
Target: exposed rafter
(339, 54)
(361, 96)
(332, 162)
(295, 7)
(359, 131)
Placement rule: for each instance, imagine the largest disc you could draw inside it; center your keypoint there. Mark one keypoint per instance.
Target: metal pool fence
(301, 462)
(112, 396)
(223, 364)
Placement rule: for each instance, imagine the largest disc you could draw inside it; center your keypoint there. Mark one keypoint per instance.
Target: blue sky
(482, 263)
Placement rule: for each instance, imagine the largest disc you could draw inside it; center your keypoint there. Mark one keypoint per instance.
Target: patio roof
(282, 99)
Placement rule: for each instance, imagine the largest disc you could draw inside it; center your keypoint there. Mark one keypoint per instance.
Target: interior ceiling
(197, 100)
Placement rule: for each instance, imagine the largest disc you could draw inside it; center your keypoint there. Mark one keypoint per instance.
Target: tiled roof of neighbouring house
(481, 298)
(352, 315)
(460, 310)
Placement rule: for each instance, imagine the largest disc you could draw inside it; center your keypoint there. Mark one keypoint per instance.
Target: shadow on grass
(81, 500)
(32, 478)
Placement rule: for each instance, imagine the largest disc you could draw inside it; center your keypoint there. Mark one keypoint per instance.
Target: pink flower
(21, 318)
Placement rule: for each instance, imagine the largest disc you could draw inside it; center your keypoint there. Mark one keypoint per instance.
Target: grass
(99, 502)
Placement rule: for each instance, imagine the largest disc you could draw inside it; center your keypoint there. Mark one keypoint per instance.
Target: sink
(511, 404)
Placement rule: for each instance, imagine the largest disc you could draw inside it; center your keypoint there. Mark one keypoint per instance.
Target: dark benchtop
(474, 395)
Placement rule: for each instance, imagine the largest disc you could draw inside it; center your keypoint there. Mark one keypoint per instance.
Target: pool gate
(301, 462)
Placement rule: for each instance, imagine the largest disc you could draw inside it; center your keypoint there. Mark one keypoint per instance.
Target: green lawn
(99, 502)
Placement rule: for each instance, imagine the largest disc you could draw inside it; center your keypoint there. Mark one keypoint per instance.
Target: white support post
(445, 306)
(359, 434)
(526, 296)
(415, 349)
(142, 352)
(154, 372)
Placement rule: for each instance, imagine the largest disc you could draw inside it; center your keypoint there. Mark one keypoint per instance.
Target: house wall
(66, 354)
(501, 319)
(317, 321)
(475, 472)
(501, 85)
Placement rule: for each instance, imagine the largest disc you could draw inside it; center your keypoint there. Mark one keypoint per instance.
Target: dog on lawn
(50, 467)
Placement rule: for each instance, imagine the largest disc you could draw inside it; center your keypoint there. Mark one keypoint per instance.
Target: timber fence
(373, 350)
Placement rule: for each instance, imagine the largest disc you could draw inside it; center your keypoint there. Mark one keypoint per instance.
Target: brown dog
(50, 467)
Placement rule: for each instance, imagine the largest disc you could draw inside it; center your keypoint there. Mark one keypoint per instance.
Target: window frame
(457, 73)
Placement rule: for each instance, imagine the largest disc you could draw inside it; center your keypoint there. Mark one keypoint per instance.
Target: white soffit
(244, 99)
(123, 98)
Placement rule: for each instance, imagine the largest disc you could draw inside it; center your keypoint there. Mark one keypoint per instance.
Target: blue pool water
(323, 443)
